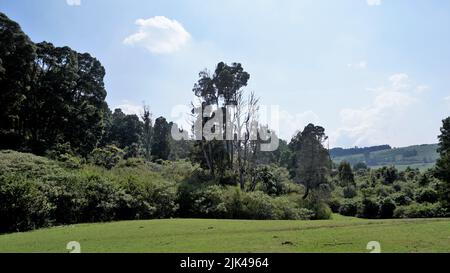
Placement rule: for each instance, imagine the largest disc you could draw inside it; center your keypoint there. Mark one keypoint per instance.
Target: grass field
(198, 236)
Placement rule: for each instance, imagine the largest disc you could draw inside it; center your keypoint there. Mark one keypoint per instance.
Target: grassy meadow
(340, 235)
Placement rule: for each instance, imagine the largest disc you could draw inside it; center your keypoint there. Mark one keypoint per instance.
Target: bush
(322, 212)
(349, 207)
(401, 199)
(416, 210)
(426, 195)
(142, 194)
(22, 205)
(334, 204)
(368, 208)
(349, 192)
(211, 202)
(107, 157)
(27, 165)
(286, 209)
(387, 208)
(257, 206)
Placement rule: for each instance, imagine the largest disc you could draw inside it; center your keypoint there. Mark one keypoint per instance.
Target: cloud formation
(130, 108)
(374, 2)
(359, 66)
(159, 35)
(374, 124)
(286, 124)
(73, 2)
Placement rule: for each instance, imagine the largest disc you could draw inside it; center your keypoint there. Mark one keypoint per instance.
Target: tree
(312, 162)
(161, 141)
(219, 90)
(147, 133)
(346, 176)
(361, 166)
(442, 170)
(17, 55)
(49, 95)
(125, 130)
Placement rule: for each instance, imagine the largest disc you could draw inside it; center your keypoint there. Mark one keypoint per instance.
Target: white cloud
(359, 65)
(378, 123)
(131, 108)
(422, 89)
(374, 2)
(159, 35)
(288, 124)
(73, 2)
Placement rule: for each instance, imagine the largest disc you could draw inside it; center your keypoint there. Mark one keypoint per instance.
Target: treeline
(53, 99)
(337, 152)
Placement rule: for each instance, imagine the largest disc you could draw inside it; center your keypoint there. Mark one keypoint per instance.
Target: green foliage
(360, 167)
(287, 209)
(124, 130)
(208, 199)
(35, 192)
(311, 161)
(349, 207)
(17, 55)
(257, 206)
(387, 208)
(426, 195)
(335, 204)
(22, 204)
(346, 176)
(161, 142)
(107, 157)
(425, 210)
(368, 208)
(349, 192)
(402, 199)
(442, 170)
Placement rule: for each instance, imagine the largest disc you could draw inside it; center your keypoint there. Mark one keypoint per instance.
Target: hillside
(418, 156)
(341, 235)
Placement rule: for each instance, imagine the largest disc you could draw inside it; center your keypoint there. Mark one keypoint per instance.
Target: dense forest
(68, 158)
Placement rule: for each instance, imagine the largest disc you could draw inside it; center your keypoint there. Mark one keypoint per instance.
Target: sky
(370, 72)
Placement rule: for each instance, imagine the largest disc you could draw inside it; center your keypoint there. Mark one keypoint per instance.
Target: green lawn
(193, 236)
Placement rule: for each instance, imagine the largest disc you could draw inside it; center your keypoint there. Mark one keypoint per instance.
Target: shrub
(27, 165)
(334, 204)
(210, 203)
(426, 195)
(401, 199)
(387, 208)
(107, 157)
(101, 199)
(322, 212)
(368, 208)
(22, 205)
(416, 210)
(257, 206)
(146, 197)
(349, 207)
(349, 192)
(286, 209)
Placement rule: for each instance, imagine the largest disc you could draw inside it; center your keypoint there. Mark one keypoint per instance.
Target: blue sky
(369, 71)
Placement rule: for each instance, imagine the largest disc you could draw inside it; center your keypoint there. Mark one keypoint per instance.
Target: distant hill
(418, 156)
(337, 152)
